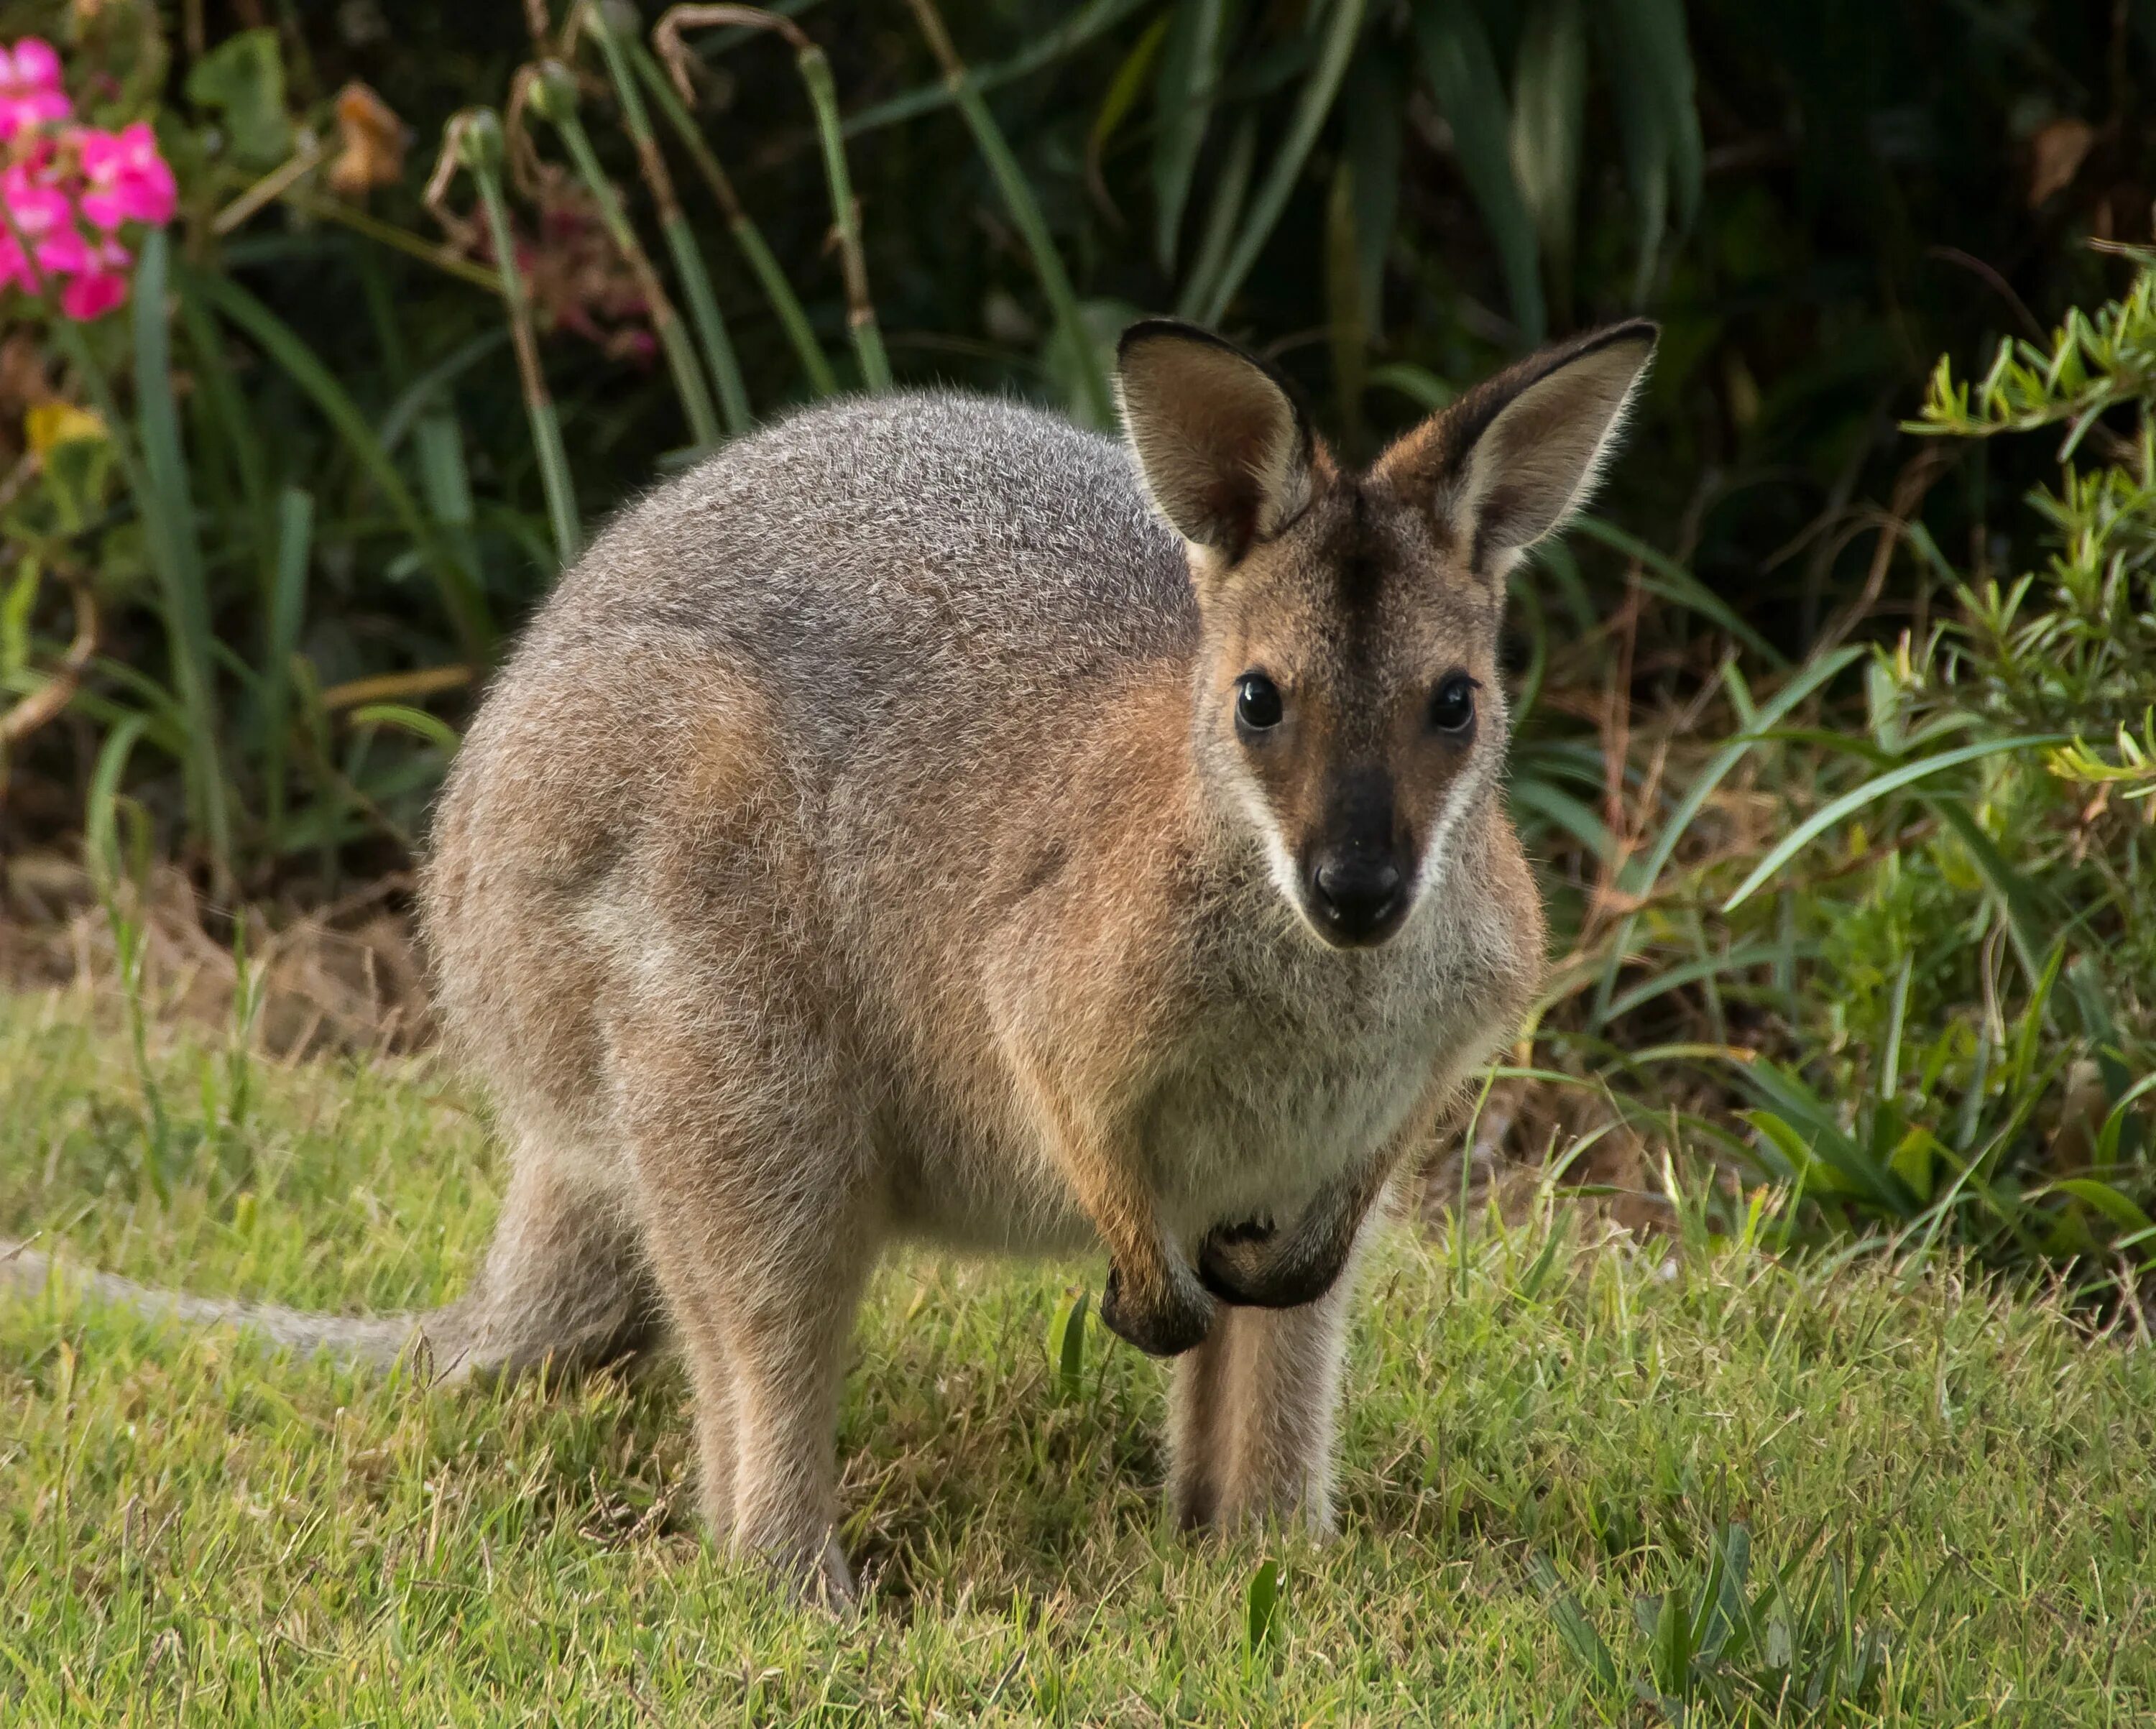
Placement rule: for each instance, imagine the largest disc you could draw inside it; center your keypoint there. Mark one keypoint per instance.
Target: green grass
(1954, 1483)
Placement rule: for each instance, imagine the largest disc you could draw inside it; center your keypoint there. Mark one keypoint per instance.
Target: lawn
(1582, 1481)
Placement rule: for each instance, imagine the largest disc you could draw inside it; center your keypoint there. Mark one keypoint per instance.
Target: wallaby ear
(1513, 459)
(1225, 451)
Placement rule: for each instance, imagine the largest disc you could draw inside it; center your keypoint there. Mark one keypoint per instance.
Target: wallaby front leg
(1252, 1418)
(1153, 1299)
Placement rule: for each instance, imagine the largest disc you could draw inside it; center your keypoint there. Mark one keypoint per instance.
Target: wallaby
(925, 820)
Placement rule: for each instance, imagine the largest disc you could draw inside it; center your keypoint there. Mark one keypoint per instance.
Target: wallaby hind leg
(1252, 1418)
(764, 1308)
(749, 1177)
(565, 1284)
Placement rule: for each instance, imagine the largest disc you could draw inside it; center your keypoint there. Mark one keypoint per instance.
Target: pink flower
(94, 293)
(67, 189)
(31, 94)
(43, 216)
(125, 179)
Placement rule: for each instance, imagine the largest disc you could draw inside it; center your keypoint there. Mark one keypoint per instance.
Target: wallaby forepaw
(1177, 1323)
(1249, 1266)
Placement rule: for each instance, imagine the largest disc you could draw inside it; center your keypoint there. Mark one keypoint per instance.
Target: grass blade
(1313, 106)
(1663, 575)
(175, 550)
(1230, 186)
(1549, 91)
(1461, 71)
(295, 530)
(1870, 793)
(474, 138)
(1098, 403)
(1182, 110)
(815, 69)
(1080, 28)
(458, 586)
(554, 99)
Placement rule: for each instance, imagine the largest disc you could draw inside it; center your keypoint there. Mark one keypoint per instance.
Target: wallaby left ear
(1513, 458)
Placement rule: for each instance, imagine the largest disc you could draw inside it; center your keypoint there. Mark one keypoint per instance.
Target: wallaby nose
(1357, 895)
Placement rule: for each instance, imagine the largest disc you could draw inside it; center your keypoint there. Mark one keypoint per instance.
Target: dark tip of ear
(1643, 330)
(1149, 329)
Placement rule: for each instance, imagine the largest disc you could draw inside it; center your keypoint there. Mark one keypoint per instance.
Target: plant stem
(687, 262)
(666, 323)
(823, 98)
(476, 137)
(748, 236)
(1025, 211)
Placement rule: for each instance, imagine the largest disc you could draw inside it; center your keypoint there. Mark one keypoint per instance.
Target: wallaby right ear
(1225, 451)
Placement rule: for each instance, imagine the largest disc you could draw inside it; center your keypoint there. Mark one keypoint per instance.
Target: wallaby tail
(378, 1343)
(565, 1285)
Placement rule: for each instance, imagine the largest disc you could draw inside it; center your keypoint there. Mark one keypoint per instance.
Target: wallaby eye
(1452, 707)
(1257, 702)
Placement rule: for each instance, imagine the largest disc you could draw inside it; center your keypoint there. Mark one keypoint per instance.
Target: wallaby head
(1347, 701)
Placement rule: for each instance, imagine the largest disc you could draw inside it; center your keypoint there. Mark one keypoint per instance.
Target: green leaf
(2113, 1203)
(1572, 1627)
(418, 722)
(1657, 117)
(1461, 71)
(1375, 127)
(1261, 1608)
(1663, 575)
(458, 586)
(1066, 1343)
(1048, 46)
(243, 78)
(175, 543)
(1182, 110)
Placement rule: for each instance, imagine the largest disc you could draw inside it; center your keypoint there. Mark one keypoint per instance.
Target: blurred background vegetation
(1835, 730)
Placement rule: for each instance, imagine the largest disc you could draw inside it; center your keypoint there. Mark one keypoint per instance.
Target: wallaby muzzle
(1356, 878)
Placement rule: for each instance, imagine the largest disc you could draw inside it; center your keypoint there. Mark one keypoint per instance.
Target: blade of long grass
(446, 481)
(418, 396)
(1375, 118)
(281, 641)
(1549, 89)
(1737, 960)
(236, 427)
(1182, 109)
(1870, 793)
(1312, 105)
(785, 304)
(1664, 577)
(1081, 26)
(1711, 774)
(711, 334)
(1462, 70)
(554, 99)
(1099, 403)
(459, 587)
(175, 551)
(1230, 187)
(1657, 117)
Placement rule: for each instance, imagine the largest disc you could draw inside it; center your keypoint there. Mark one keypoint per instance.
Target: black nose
(1356, 895)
